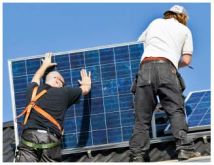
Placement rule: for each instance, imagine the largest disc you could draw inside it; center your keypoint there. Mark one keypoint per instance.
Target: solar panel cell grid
(198, 110)
(106, 116)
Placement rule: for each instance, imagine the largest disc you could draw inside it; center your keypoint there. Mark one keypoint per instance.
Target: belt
(149, 59)
(39, 146)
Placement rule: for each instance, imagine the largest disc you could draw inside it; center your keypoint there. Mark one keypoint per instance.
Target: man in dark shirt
(40, 140)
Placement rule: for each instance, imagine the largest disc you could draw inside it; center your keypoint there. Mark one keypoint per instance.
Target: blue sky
(35, 28)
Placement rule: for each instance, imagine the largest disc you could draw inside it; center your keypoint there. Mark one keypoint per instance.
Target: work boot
(137, 157)
(185, 154)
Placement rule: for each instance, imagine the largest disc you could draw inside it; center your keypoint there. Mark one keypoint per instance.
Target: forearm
(39, 73)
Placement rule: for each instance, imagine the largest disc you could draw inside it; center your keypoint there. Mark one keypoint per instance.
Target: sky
(35, 28)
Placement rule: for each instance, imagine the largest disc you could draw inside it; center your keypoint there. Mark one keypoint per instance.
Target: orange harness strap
(32, 104)
(47, 116)
(27, 110)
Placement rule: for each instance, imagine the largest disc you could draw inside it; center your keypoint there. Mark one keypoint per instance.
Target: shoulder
(72, 90)
(184, 27)
(32, 85)
(186, 31)
(157, 20)
(29, 90)
(73, 94)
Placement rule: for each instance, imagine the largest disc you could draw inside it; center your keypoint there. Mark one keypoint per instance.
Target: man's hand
(85, 82)
(47, 61)
(185, 60)
(46, 64)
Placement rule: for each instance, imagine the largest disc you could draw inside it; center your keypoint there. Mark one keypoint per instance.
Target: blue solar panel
(197, 110)
(104, 117)
(198, 106)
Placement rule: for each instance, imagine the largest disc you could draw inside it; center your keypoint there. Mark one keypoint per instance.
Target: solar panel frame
(125, 128)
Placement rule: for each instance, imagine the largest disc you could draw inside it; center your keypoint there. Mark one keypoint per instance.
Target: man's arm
(185, 60)
(85, 83)
(40, 72)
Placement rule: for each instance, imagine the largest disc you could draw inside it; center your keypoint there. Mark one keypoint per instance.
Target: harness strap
(33, 105)
(28, 110)
(39, 95)
(29, 106)
(35, 89)
(47, 116)
(34, 98)
(39, 146)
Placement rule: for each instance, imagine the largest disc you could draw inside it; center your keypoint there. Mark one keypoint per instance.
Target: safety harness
(32, 105)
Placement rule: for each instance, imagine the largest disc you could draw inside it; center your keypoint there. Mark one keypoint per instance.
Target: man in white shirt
(167, 46)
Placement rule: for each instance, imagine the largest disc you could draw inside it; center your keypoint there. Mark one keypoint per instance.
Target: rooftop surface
(159, 152)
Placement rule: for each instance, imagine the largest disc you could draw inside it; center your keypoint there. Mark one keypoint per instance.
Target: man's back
(167, 38)
(55, 102)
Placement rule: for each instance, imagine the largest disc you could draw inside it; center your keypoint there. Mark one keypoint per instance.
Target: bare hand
(47, 61)
(85, 82)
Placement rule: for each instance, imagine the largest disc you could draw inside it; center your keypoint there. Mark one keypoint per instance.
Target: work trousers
(158, 79)
(29, 154)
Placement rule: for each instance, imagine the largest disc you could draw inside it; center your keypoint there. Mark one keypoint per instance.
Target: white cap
(178, 10)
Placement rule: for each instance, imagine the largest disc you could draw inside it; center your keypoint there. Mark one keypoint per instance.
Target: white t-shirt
(167, 38)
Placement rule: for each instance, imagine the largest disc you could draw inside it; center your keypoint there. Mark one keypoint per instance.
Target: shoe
(185, 154)
(136, 159)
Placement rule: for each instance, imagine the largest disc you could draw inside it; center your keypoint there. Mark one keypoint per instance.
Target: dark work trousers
(158, 78)
(28, 154)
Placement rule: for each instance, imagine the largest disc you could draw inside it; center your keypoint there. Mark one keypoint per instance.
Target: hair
(182, 18)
